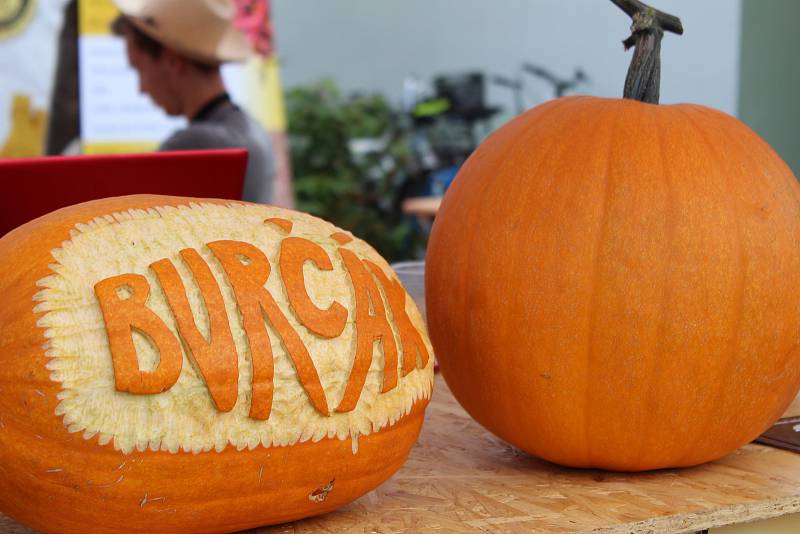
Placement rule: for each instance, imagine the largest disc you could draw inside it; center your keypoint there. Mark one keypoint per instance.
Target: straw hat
(201, 30)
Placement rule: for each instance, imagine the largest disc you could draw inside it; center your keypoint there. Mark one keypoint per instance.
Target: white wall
(373, 44)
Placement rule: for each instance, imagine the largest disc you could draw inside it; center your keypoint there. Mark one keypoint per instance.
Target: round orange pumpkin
(178, 365)
(616, 284)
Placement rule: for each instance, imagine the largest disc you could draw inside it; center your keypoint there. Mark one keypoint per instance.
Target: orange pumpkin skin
(56, 481)
(615, 284)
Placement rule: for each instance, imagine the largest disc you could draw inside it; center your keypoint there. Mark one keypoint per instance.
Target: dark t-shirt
(227, 126)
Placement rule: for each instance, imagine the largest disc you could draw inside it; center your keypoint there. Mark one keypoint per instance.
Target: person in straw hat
(177, 48)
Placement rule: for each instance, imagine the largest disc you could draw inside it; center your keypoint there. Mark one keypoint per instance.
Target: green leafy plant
(350, 159)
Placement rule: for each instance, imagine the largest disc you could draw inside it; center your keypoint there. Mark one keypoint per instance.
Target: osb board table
(460, 478)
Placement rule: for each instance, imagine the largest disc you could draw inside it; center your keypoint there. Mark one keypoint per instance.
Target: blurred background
(373, 106)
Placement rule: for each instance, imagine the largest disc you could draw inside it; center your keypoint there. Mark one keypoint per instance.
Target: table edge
(707, 519)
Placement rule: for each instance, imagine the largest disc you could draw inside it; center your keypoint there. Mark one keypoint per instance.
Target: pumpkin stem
(644, 74)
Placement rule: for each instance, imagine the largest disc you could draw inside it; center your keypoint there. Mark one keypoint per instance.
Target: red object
(30, 188)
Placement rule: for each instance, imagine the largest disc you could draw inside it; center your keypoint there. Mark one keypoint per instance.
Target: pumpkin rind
(615, 284)
(77, 456)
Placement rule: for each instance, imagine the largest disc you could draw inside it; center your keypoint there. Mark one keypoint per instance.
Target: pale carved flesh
(205, 326)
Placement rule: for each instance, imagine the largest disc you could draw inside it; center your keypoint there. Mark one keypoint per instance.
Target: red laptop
(30, 188)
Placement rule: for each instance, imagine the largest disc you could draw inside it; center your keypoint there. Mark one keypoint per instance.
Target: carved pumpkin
(174, 365)
(616, 284)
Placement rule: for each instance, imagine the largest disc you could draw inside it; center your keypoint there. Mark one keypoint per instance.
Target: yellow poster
(95, 17)
(115, 117)
(14, 16)
(28, 29)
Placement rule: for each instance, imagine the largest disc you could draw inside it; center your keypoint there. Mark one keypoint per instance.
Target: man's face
(156, 76)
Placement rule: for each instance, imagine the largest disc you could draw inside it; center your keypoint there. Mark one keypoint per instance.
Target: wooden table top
(460, 478)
